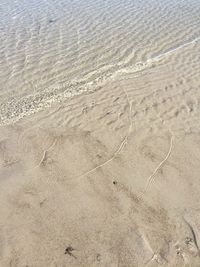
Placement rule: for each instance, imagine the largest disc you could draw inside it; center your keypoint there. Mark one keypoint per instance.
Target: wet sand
(99, 133)
(105, 179)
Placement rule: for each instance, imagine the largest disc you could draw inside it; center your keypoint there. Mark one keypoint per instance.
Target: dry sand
(106, 179)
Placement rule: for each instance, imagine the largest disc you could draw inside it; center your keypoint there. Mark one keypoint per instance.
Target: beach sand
(105, 179)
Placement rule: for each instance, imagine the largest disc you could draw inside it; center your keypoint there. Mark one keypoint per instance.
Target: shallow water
(54, 49)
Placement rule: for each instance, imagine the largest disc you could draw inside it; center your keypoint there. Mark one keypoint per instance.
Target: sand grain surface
(105, 179)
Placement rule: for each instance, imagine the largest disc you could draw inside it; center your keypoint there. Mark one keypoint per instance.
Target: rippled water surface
(51, 49)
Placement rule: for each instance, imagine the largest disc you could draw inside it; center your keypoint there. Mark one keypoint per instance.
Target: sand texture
(99, 133)
(106, 179)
